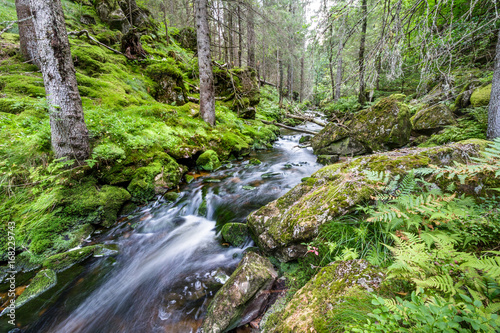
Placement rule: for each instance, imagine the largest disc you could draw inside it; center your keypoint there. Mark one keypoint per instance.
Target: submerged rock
(384, 126)
(432, 119)
(280, 227)
(235, 234)
(243, 297)
(308, 309)
(208, 161)
(43, 281)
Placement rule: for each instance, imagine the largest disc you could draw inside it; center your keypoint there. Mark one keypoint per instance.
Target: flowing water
(171, 260)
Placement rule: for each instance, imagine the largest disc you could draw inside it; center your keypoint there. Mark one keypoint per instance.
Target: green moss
(481, 96)
(30, 84)
(63, 261)
(43, 281)
(208, 161)
(235, 234)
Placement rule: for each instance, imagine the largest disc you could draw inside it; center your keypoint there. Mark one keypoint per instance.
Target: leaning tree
(69, 133)
(27, 35)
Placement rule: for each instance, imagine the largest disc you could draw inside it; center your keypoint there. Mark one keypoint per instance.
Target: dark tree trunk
(231, 39)
(289, 81)
(167, 37)
(207, 94)
(364, 13)
(494, 108)
(27, 35)
(68, 131)
(280, 79)
(251, 38)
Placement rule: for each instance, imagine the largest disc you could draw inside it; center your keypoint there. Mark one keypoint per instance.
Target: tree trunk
(27, 35)
(364, 13)
(339, 71)
(301, 96)
(207, 93)
(494, 108)
(70, 138)
(280, 79)
(167, 37)
(289, 80)
(231, 42)
(240, 36)
(251, 38)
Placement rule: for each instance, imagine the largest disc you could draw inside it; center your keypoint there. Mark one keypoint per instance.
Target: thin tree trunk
(301, 96)
(27, 34)
(494, 108)
(289, 80)
(338, 86)
(364, 13)
(240, 36)
(69, 134)
(167, 37)
(207, 93)
(330, 61)
(231, 39)
(251, 38)
(279, 78)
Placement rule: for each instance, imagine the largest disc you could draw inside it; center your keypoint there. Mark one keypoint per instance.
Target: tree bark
(364, 13)
(27, 34)
(240, 36)
(251, 38)
(69, 133)
(167, 37)
(494, 107)
(301, 96)
(207, 93)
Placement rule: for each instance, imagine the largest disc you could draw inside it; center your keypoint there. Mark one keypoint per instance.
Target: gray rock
(243, 297)
(327, 159)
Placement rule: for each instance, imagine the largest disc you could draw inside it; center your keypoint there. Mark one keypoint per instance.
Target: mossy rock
(105, 250)
(242, 298)
(235, 234)
(43, 281)
(155, 178)
(310, 307)
(96, 205)
(208, 161)
(463, 99)
(111, 13)
(170, 86)
(63, 261)
(384, 126)
(280, 227)
(481, 96)
(432, 119)
(254, 161)
(327, 159)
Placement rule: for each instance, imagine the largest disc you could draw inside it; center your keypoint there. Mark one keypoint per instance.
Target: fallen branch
(85, 32)
(289, 127)
(312, 120)
(193, 100)
(11, 23)
(267, 83)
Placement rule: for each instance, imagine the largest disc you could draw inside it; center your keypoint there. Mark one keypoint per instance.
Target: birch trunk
(68, 131)
(207, 94)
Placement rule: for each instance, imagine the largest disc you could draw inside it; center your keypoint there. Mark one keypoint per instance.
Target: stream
(171, 260)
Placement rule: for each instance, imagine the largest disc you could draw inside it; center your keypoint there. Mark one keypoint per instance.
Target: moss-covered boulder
(243, 297)
(63, 261)
(155, 178)
(110, 12)
(235, 234)
(386, 125)
(327, 159)
(170, 87)
(208, 161)
(280, 227)
(481, 96)
(463, 99)
(95, 205)
(309, 309)
(43, 281)
(432, 119)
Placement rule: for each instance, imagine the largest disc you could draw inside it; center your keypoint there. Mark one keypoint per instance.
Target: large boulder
(432, 119)
(481, 96)
(386, 125)
(170, 87)
(463, 99)
(110, 12)
(243, 297)
(280, 227)
(308, 310)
